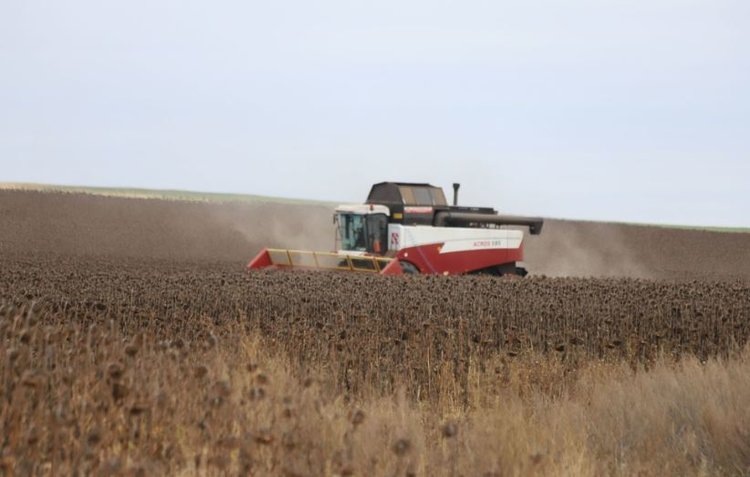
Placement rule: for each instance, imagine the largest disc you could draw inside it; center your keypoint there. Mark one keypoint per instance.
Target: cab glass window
(377, 233)
(352, 232)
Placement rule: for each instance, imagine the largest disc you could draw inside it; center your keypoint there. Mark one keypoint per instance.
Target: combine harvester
(410, 228)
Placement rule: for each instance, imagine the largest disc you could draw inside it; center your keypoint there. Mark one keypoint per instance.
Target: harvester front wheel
(521, 272)
(507, 270)
(409, 268)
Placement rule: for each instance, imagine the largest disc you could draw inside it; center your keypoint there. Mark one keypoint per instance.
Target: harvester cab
(410, 228)
(361, 228)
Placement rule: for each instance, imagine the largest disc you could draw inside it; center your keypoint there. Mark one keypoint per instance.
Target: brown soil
(88, 225)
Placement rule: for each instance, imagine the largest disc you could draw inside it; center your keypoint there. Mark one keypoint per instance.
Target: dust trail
(265, 224)
(586, 249)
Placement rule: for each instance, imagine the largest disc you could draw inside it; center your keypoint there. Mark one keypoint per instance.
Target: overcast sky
(629, 110)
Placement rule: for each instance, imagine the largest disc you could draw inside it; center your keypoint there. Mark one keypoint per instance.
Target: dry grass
(92, 399)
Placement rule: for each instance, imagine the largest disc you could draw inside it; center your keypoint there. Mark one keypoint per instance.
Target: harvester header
(410, 228)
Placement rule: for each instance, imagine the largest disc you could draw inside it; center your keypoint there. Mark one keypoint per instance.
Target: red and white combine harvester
(411, 228)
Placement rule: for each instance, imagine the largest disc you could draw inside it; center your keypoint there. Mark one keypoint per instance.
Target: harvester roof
(406, 193)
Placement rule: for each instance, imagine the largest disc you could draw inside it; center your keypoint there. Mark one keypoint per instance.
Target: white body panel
(364, 209)
(455, 239)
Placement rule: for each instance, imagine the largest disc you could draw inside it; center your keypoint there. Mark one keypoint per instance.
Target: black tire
(409, 268)
(521, 272)
(508, 270)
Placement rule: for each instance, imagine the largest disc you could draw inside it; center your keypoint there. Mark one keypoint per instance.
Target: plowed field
(78, 224)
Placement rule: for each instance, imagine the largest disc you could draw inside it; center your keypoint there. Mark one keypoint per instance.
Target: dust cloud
(274, 225)
(585, 249)
(599, 249)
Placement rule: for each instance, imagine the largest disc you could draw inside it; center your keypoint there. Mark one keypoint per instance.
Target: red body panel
(262, 260)
(428, 259)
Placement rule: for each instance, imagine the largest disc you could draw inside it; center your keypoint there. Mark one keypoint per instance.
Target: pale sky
(626, 110)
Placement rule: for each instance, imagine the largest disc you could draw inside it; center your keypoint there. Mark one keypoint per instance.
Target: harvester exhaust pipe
(456, 185)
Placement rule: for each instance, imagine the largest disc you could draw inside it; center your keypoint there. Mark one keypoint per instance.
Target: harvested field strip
(111, 227)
